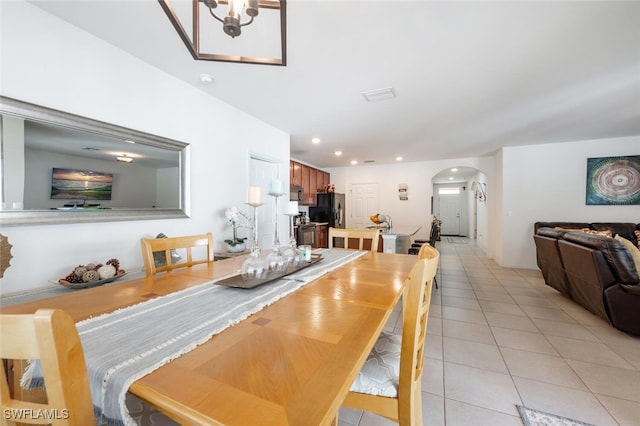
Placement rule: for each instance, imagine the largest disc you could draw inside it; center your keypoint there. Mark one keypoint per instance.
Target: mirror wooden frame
(28, 111)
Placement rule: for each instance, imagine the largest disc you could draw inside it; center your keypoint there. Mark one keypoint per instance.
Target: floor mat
(532, 417)
(456, 240)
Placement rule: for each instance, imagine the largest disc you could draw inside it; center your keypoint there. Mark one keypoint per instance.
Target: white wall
(417, 175)
(51, 63)
(168, 189)
(482, 211)
(13, 157)
(548, 183)
(525, 184)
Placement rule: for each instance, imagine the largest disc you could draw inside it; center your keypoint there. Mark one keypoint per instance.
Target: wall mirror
(63, 168)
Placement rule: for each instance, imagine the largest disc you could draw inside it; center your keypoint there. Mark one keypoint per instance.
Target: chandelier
(231, 23)
(200, 34)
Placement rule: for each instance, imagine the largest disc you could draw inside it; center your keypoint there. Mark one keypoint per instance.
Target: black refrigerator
(330, 208)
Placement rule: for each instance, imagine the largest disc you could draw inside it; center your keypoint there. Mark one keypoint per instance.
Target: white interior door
(449, 214)
(261, 173)
(364, 203)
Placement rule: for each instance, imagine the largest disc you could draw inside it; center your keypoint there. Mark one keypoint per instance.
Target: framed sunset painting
(74, 184)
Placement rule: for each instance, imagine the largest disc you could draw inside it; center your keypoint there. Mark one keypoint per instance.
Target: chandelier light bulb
(231, 23)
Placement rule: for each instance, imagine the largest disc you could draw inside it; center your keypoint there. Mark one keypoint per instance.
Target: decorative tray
(121, 273)
(239, 282)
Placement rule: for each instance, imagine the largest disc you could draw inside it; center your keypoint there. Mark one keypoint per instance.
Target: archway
(459, 201)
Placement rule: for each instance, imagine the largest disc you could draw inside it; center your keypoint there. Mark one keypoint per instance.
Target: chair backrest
(49, 335)
(355, 234)
(165, 247)
(415, 317)
(435, 233)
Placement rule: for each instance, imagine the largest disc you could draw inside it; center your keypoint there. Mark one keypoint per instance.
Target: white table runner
(125, 345)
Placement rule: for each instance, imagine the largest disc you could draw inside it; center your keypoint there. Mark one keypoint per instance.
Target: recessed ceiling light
(379, 94)
(206, 79)
(454, 170)
(399, 158)
(451, 178)
(354, 162)
(129, 141)
(338, 153)
(315, 140)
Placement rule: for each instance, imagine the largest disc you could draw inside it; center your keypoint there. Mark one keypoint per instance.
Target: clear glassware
(254, 267)
(276, 261)
(291, 255)
(291, 252)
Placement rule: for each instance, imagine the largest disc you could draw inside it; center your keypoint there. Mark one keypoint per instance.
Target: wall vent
(379, 94)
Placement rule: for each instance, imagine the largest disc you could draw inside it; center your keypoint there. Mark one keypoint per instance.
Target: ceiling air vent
(379, 94)
(89, 148)
(369, 161)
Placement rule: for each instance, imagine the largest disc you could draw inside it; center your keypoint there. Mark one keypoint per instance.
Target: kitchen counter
(398, 239)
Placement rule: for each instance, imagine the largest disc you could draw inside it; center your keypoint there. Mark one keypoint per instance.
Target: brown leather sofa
(595, 271)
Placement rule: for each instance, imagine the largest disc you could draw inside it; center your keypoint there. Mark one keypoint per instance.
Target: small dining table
(291, 363)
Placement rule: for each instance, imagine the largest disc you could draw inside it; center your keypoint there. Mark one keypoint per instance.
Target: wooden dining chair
(389, 382)
(152, 247)
(49, 335)
(355, 234)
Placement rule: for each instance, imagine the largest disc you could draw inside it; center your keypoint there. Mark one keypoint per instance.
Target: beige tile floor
(498, 337)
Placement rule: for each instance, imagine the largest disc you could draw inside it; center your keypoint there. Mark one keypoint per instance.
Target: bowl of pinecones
(93, 274)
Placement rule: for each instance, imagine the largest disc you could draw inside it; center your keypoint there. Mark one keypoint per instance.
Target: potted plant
(235, 217)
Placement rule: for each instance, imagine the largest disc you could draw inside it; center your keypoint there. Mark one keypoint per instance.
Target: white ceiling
(469, 77)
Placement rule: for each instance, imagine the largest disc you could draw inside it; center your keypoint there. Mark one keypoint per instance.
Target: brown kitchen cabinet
(323, 179)
(295, 171)
(305, 183)
(313, 186)
(310, 179)
(322, 236)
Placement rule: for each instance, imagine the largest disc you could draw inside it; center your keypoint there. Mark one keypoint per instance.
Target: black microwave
(297, 194)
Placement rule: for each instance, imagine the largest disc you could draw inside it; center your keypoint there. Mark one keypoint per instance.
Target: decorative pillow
(637, 237)
(606, 233)
(635, 252)
(381, 370)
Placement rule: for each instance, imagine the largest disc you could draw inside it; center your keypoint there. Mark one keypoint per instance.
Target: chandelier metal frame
(193, 45)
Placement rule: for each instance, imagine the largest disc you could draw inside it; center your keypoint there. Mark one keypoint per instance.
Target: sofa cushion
(552, 232)
(635, 253)
(614, 252)
(565, 225)
(560, 228)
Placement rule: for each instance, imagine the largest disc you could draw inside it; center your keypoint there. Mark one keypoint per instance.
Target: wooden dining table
(291, 363)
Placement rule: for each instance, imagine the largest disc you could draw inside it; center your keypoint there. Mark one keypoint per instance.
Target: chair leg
(435, 281)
